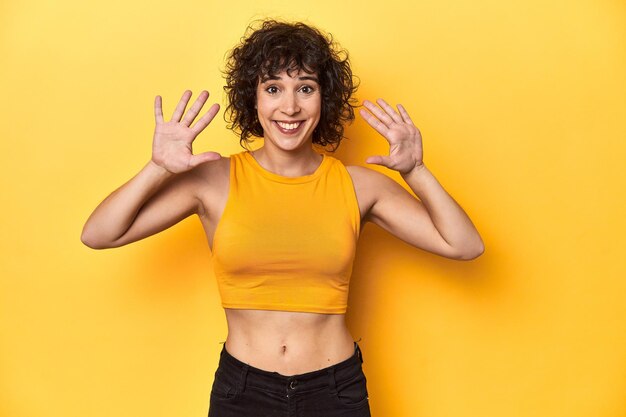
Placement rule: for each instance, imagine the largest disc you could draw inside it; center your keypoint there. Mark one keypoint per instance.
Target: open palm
(405, 140)
(172, 141)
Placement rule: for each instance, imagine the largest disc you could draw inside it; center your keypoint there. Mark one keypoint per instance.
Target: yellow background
(522, 109)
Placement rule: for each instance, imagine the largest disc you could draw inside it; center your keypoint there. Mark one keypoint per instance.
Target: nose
(289, 104)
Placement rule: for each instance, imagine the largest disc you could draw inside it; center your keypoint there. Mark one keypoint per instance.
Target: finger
(374, 122)
(390, 110)
(405, 115)
(180, 108)
(379, 160)
(382, 116)
(158, 110)
(195, 109)
(206, 119)
(201, 158)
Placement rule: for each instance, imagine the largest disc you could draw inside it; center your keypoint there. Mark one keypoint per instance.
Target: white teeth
(288, 126)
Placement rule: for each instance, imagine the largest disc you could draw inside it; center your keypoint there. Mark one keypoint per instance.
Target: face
(289, 108)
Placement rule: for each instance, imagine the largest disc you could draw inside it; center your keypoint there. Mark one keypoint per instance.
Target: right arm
(165, 191)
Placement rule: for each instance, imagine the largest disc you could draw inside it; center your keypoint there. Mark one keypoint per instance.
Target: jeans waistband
(249, 376)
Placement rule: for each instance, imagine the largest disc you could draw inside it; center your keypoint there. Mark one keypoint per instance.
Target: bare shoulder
(369, 180)
(364, 174)
(208, 177)
(213, 180)
(369, 186)
(213, 173)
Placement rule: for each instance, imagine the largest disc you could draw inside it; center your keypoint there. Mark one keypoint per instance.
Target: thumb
(201, 158)
(379, 160)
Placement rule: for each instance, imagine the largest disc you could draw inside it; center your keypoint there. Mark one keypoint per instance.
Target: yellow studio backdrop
(522, 109)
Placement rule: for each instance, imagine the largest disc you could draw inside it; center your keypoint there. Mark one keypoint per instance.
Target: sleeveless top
(286, 243)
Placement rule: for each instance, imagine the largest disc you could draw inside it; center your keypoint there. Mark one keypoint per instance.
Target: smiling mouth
(288, 127)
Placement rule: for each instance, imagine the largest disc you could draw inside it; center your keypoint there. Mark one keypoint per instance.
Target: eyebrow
(301, 78)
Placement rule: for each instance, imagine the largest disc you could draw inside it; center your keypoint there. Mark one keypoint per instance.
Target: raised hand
(171, 145)
(405, 140)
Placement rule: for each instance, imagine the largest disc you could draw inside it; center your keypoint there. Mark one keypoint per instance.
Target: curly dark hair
(278, 46)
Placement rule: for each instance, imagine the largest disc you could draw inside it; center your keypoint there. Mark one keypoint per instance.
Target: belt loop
(357, 351)
(242, 381)
(331, 380)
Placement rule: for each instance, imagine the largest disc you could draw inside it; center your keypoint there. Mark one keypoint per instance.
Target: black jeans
(241, 390)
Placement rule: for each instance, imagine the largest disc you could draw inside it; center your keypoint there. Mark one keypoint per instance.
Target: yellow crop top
(286, 243)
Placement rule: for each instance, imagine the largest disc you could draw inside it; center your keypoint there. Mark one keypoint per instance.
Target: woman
(282, 221)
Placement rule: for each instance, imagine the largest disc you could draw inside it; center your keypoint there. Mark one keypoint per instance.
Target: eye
(307, 89)
(272, 89)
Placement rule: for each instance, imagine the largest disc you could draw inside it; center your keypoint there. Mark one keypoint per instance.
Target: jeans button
(293, 384)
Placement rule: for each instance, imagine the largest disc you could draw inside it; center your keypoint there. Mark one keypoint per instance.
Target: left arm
(435, 222)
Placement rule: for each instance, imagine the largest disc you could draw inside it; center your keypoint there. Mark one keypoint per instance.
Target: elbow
(90, 241)
(473, 253)
(469, 252)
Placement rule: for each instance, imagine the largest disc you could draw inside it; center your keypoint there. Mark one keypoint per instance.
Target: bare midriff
(286, 342)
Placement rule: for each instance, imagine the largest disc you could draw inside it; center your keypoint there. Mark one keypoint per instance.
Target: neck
(292, 163)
